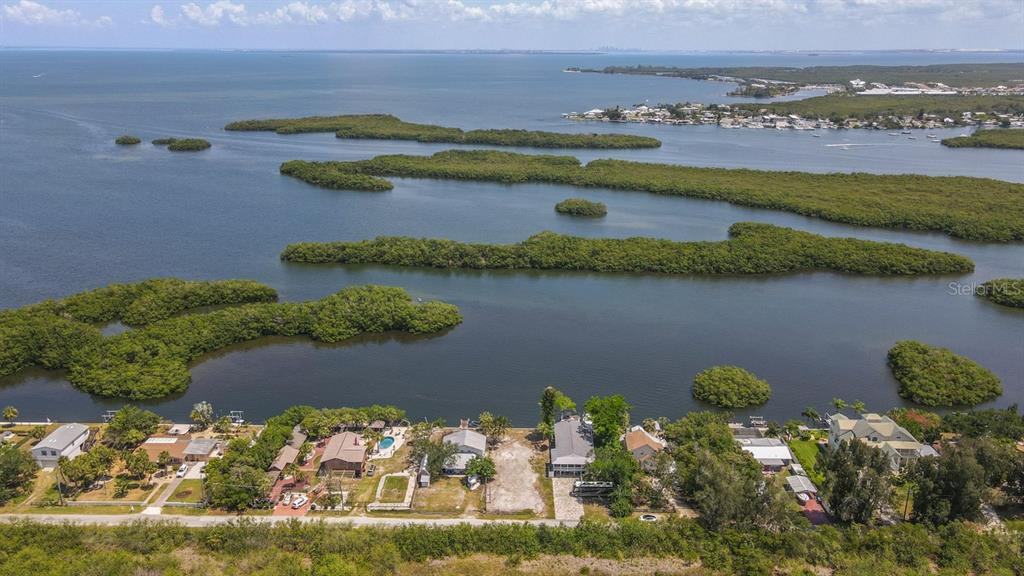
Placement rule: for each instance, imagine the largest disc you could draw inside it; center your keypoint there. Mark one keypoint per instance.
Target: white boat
(894, 133)
(911, 138)
(905, 132)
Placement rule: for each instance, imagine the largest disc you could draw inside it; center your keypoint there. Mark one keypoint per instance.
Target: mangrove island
(962, 207)
(151, 361)
(388, 127)
(752, 248)
(730, 387)
(581, 207)
(935, 376)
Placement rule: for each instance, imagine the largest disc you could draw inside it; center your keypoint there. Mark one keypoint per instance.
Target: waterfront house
(201, 450)
(285, 456)
(65, 442)
(469, 444)
(345, 451)
(771, 453)
(643, 446)
(173, 445)
(879, 432)
(572, 449)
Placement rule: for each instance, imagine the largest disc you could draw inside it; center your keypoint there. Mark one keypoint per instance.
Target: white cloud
(509, 11)
(215, 12)
(33, 13)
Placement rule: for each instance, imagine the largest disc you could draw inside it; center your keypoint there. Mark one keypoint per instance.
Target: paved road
(200, 521)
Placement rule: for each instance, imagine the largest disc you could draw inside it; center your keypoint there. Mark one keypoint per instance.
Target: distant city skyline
(655, 25)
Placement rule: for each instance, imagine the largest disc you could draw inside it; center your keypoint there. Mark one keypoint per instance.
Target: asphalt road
(200, 521)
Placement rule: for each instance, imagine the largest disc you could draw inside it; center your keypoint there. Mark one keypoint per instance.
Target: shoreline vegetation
(954, 75)
(388, 127)
(752, 248)
(1003, 291)
(152, 360)
(963, 207)
(935, 376)
(183, 144)
(248, 546)
(581, 207)
(1012, 139)
(127, 140)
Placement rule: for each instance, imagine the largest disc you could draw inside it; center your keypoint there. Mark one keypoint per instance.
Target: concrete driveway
(567, 506)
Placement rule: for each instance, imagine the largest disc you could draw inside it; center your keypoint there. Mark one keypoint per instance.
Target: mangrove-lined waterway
(80, 212)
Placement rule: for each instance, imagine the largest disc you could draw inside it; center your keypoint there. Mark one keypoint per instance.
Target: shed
(800, 485)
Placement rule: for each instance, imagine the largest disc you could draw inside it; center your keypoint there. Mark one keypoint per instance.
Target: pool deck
(398, 433)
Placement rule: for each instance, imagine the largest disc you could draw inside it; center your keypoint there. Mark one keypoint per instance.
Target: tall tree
(553, 402)
(857, 481)
(137, 463)
(17, 469)
(10, 413)
(811, 414)
(731, 491)
(130, 426)
(202, 415)
(494, 427)
(949, 487)
(610, 417)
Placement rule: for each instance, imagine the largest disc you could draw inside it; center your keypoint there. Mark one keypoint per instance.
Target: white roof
(467, 439)
(764, 449)
(459, 461)
(160, 440)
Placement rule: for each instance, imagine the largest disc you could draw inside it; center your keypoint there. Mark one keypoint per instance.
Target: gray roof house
(573, 448)
(468, 441)
(64, 442)
(470, 445)
(200, 449)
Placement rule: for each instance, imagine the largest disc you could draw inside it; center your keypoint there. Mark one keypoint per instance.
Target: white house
(469, 444)
(65, 442)
(771, 453)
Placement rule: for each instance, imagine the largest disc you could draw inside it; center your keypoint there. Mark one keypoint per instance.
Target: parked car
(286, 499)
(182, 470)
(299, 502)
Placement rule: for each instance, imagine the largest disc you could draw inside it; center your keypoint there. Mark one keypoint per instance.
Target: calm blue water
(77, 212)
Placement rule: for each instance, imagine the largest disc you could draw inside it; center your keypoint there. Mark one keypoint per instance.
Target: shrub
(581, 207)
(752, 249)
(970, 208)
(936, 376)
(126, 140)
(730, 387)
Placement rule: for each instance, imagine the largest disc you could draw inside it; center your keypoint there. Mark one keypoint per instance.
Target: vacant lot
(394, 489)
(516, 486)
(188, 491)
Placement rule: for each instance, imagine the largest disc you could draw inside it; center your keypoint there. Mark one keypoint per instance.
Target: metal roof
(467, 439)
(63, 437)
(573, 443)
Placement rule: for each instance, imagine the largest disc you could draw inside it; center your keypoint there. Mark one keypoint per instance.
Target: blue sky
(516, 24)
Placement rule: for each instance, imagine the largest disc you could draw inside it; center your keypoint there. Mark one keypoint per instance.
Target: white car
(182, 470)
(287, 499)
(299, 502)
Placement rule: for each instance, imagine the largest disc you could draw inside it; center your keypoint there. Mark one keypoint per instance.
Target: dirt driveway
(515, 487)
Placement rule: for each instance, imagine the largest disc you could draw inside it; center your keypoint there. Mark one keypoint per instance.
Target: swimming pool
(385, 443)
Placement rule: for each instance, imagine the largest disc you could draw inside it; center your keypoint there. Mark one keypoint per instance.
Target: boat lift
(591, 489)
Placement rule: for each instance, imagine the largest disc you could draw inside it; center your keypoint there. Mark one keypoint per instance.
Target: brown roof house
(644, 447)
(173, 445)
(345, 451)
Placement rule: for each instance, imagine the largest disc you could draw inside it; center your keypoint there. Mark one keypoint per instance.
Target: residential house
(643, 446)
(345, 451)
(173, 445)
(285, 456)
(879, 432)
(470, 444)
(201, 450)
(65, 442)
(573, 447)
(771, 453)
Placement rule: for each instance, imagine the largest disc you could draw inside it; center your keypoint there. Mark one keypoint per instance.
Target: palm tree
(811, 414)
(372, 436)
(859, 407)
(839, 403)
(10, 413)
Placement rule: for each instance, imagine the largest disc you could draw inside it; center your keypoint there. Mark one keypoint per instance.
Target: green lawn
(188, 491)
(806, 452)
(394, 489)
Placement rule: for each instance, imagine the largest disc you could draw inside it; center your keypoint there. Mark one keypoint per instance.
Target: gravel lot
(514, 488)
